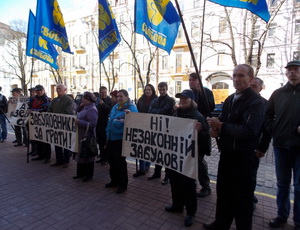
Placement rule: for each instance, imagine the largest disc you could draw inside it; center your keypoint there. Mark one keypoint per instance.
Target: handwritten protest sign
(54, 128)
(17, 110)
(168, 141)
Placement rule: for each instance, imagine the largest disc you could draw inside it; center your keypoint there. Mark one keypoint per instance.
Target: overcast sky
(19, 9)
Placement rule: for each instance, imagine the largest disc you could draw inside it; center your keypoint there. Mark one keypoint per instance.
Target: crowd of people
(243, 133)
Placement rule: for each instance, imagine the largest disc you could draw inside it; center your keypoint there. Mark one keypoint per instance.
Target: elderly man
(61, 104)
(282, 120)
(238, 127)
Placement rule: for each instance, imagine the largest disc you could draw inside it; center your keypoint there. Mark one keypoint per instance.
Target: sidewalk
(36, 196)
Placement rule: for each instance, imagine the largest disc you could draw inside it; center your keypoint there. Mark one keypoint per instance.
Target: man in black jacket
(3, 110)
(238, 127)
(282, 120)
(164, 105)
(204, 108)
(104, 106)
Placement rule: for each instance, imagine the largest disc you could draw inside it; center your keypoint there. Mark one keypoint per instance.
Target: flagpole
(193, 57)
(202, 32)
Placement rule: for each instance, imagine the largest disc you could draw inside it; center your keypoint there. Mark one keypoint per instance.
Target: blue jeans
(286, 163)
(3, 133)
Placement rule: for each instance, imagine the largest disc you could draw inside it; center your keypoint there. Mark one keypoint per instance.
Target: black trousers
(118, 165)
(235, 190)
(19, 132)
(43, 149)
(204, 180)
(62, 155)
(183, 191)
(85, 169)
(101, 139)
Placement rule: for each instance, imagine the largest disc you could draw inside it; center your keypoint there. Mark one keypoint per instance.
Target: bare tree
(252, 46)
(15, 57)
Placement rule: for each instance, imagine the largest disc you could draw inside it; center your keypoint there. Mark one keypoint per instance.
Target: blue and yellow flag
(109, 36)
(258, 7)
(50, 24)
(158, 21)
(37, 47)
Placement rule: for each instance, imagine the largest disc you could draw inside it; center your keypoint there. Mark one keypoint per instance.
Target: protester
(164, 105)
(86, 117)
(183, 188)
(114, 95)
(238, 128)
(282, 120)
(114, 133)
(104, 106)
(40, 103)
(143, 105)
(265, 137)
(61, 104)
(204, 108)
(3, 110)
(21, 132)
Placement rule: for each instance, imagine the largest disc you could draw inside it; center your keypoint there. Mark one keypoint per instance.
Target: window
(297, 26)
(196, 3)
(272, 29)
(221, 58)
(222, 25)
(296, 56)
(178, 63)
(165, 62)
(256, 31)
(270, 60)
(220, 85)
(178, 86)
(145, 62)
(273, 3)
(179, 36)
(195, 28)
(254, 60)
(192, 63)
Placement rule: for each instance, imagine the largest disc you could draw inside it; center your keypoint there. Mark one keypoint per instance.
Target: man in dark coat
(164, 105)
(3, 110)
(238, 127)
(104, 106)
(204, 108)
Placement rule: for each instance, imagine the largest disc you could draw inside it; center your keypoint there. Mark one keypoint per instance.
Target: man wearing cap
(40, 103)
(61, 104)
(238, 129)
(3, 110)
(183, 188)
(283, 121)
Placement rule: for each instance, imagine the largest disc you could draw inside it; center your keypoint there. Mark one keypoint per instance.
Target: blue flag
(158, 21)
(37, 47)
(258, 7)
(50, 24)
(109, 36)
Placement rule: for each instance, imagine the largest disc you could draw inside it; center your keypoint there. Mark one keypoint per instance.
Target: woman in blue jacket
(114, 132)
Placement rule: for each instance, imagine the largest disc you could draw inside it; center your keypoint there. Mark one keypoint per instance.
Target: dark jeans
(43, 149)
(287, 163)
(183, 191)
(62, 155)
(3, 131)
(18, 132)
(118, 165)
(235, 190)
(85, 169)
(204, 180)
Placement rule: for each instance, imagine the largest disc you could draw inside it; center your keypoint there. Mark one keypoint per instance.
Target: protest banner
(17, 110)
(54, 128)
(167, 141)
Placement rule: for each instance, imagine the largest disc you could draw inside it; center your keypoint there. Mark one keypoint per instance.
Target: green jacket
(62, 105)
